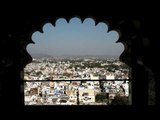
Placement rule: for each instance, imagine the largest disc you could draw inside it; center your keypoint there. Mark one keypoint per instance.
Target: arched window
(76, 63)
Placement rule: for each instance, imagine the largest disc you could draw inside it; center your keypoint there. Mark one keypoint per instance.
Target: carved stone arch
(116, 24)
(17, 34)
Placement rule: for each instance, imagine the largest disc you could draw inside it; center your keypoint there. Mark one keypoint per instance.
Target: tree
(101, 97)
(120, 100)
(124, 66)
(39, 73)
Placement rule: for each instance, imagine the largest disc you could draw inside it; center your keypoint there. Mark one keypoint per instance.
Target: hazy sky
(76, 38)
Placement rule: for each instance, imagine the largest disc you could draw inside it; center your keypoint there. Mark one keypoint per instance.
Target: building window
(75, 63)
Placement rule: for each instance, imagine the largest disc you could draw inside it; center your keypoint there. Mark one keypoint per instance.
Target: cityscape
(75, 81)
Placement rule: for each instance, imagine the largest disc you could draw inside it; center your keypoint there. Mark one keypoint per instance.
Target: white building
(110, 76)
(94, 77)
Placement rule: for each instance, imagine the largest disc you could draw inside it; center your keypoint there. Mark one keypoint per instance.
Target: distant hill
(39, 55)
(89, 56)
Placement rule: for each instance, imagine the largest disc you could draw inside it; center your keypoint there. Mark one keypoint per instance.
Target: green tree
(120, 100)
(124, 66)
(39, 73)
(101, 97)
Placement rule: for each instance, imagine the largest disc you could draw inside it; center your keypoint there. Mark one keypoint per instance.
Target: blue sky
(76, 38)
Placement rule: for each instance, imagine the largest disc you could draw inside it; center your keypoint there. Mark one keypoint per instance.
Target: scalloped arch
(112, 25)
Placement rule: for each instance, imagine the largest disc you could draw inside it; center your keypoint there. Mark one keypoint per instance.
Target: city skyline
(75, 38)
